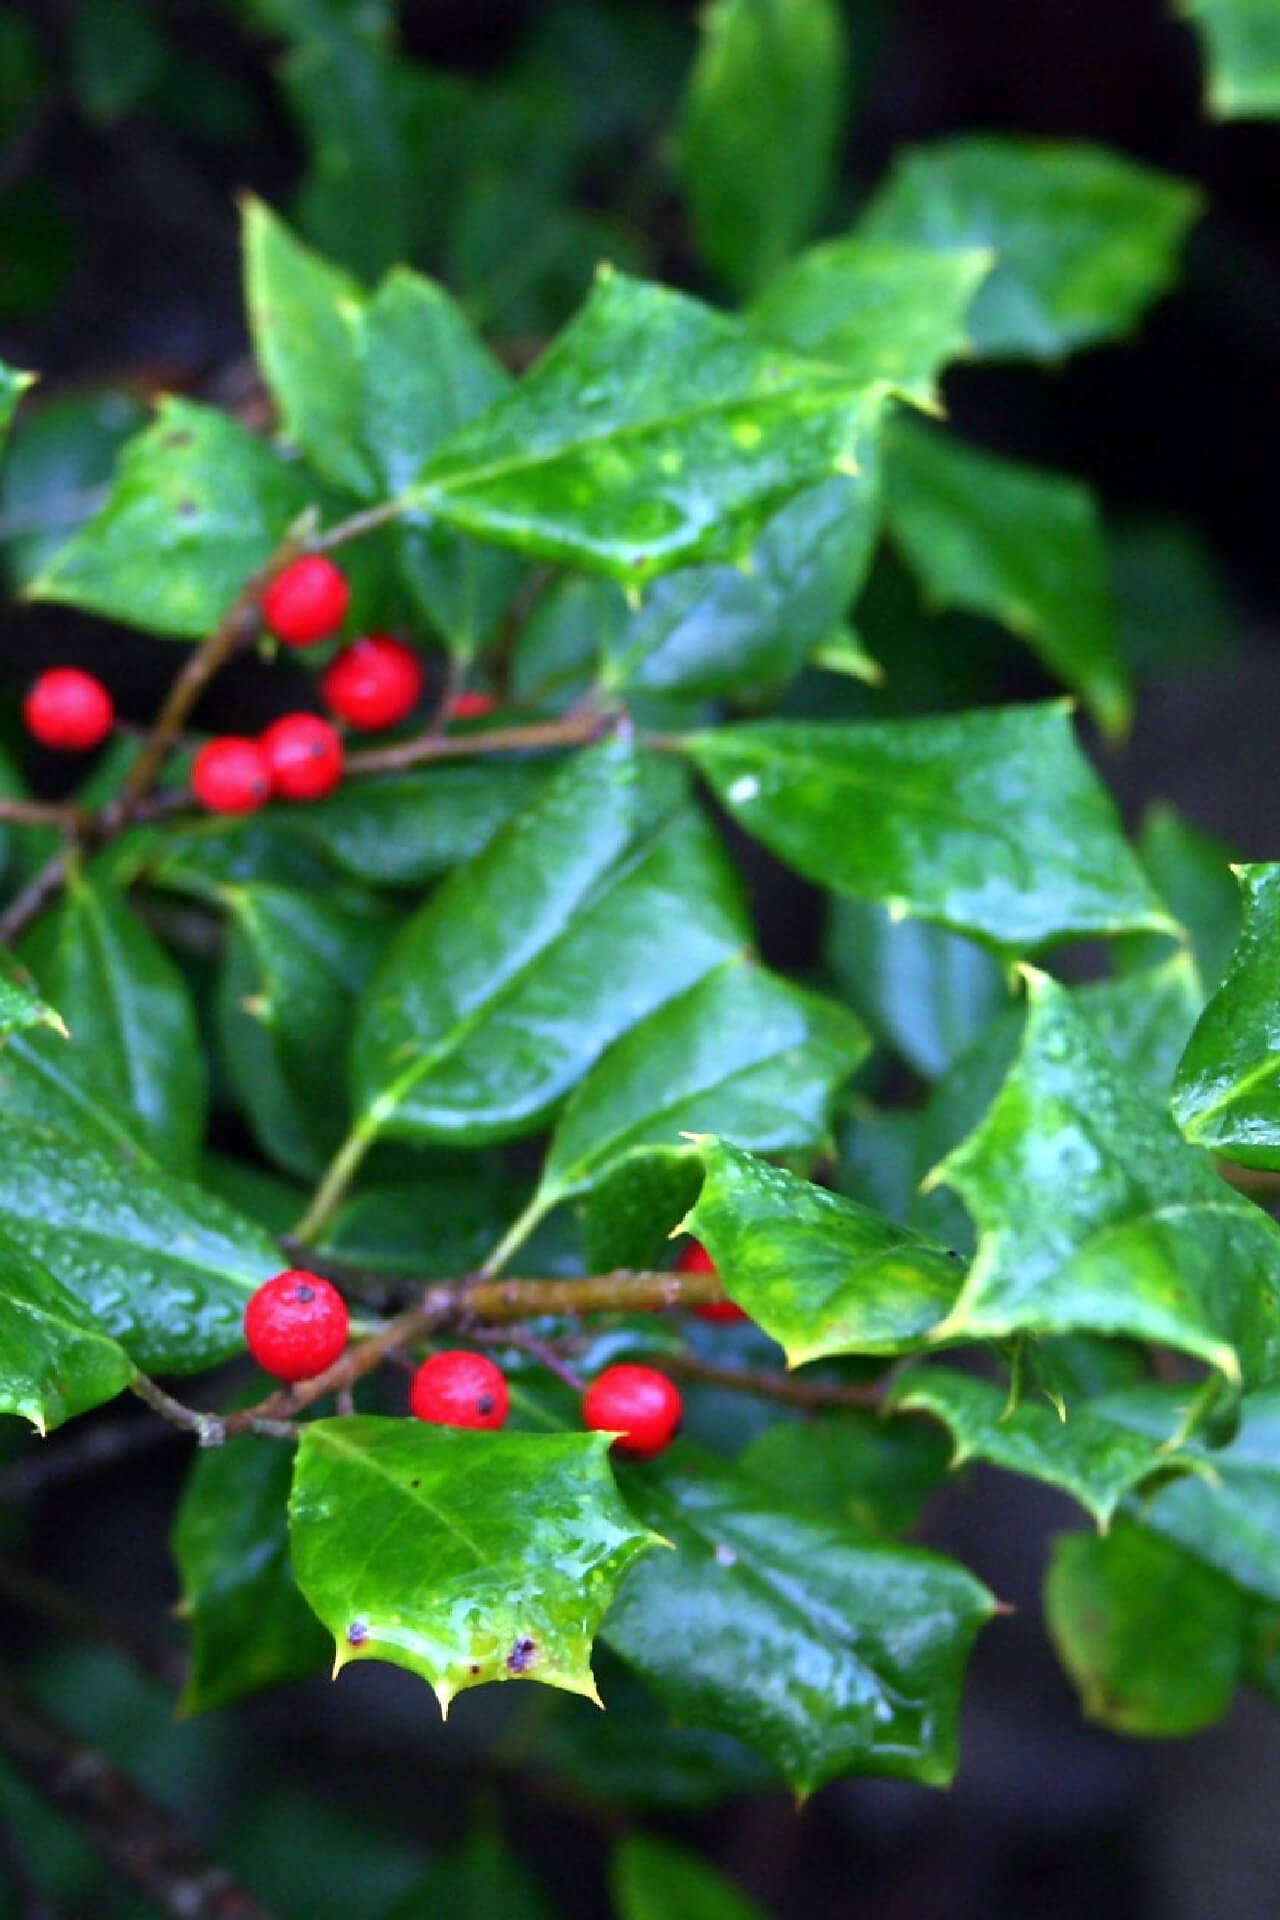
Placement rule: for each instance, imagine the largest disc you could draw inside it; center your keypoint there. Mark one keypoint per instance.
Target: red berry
(696, 1259)
(307, 602)
(376, 682)
(471, 706)
(303, 755)
(231, 776)
(460, 1389)
(69, 710)
(639, 1404)
(296, 1325)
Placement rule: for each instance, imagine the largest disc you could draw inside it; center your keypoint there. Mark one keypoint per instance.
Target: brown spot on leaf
(522, 1655)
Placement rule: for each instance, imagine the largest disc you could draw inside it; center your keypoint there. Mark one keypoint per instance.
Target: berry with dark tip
(642, 1406)
(296, 1325)
(460, 1389)
(696, 1259)
(306, 602)
(231, 775)
(304, 756)
(68, 710)
(374, 683)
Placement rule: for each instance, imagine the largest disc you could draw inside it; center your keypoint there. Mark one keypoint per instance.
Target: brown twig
(792, 1391)
(574, 730)
(44, 813)
(38, 893)
(140, 1838)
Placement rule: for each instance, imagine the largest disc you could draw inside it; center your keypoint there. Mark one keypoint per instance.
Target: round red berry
(639, 1404)
(376, 682)
(471, 706)
(231, 776)
(69, 710)
(696, 1259)
(307, 602)
(304, 756)
(460, 1389)
(296, 1325)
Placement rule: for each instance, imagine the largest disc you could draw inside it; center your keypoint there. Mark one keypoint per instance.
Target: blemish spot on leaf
(357, 1633)
(522, 1655)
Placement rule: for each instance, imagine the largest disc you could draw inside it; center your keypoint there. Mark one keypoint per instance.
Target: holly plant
(396, 1099)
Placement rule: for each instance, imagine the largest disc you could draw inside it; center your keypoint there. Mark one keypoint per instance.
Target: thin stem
(358, 524)
(212, 1429)
(43, 813)
(329, 1195)
(525, 1223)
(813, 1395)
(574, 730)
(38, 893)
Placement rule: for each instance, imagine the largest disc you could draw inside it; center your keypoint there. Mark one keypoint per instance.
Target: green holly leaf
(1020, 545)
(248, 1625)
(826, 1652)
(21, 1007)
(404, 829)
(927, 992)
(481, 1881)
(819, 1273)
(882, 310)
(1242, 42)
(293, 970)
(198, 504)
(12, 387)
(1094, 1214)
(1084, 240)
(426, 375)
(134, 1047)
(562, 927)
(761, 131)
(742, 1053)
(55, 1361)
(165, 1267)
(307, 324)
(653, 1879)
(654, 432)
(1097, 1461)
(440, 1224)
(1228, 1515)
(1227, 1092)
(632, 1210)
(990, 823)
(496, 1554)
(873, 1472)
(1153, 1641)
(1191, 872)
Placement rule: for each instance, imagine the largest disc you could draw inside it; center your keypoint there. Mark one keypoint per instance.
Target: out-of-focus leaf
(873, 1472)
(654, 1880)
(929, 993)
(1242, 41)
(117, 54)
(60, 456)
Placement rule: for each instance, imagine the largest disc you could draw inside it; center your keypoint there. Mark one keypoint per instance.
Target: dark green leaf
(482, 1881)
(654, 432)
(879, 309)
(820, 1274)
(426, 375)
(166, 1268)
(437, 1226)
(295, 967)
(1095, 1460)
(500, 994)
(134, 1047)
(55, 1361)
(761, 131)
(496, 1553)
(1227, 1093)
(1242, 40)
(925, 991)
(872, 1472)
(991, 823)
(249, 1626)
(741, 1053)
(1192, 873)
(62, 454)
(403, 829)
(654, 1880)
(1153, 1641)
(117, 55)
(825, 1652)
(12, 387)
(1084, 240)
(633, 1210)
(1025, 547)
(1174, 608)
(1095, 1214)
(198, 504)
(307, 320)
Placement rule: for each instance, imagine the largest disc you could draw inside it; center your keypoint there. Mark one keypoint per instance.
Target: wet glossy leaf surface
(653, 433)
(1022, 546)
(1152, 1640)
(825, 1652)
(55, 1361)
(197, 505)
(817, 1272)
(497, 1553)
(1227, 1093)
(1085, 240)
(404, 829)
(743, 1054)
(501, 993)
(1094, 1213)
(248, 1625)
(989, 823)
(925, 991)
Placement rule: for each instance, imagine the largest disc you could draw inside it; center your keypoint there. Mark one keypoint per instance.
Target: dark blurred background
(119, 271)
